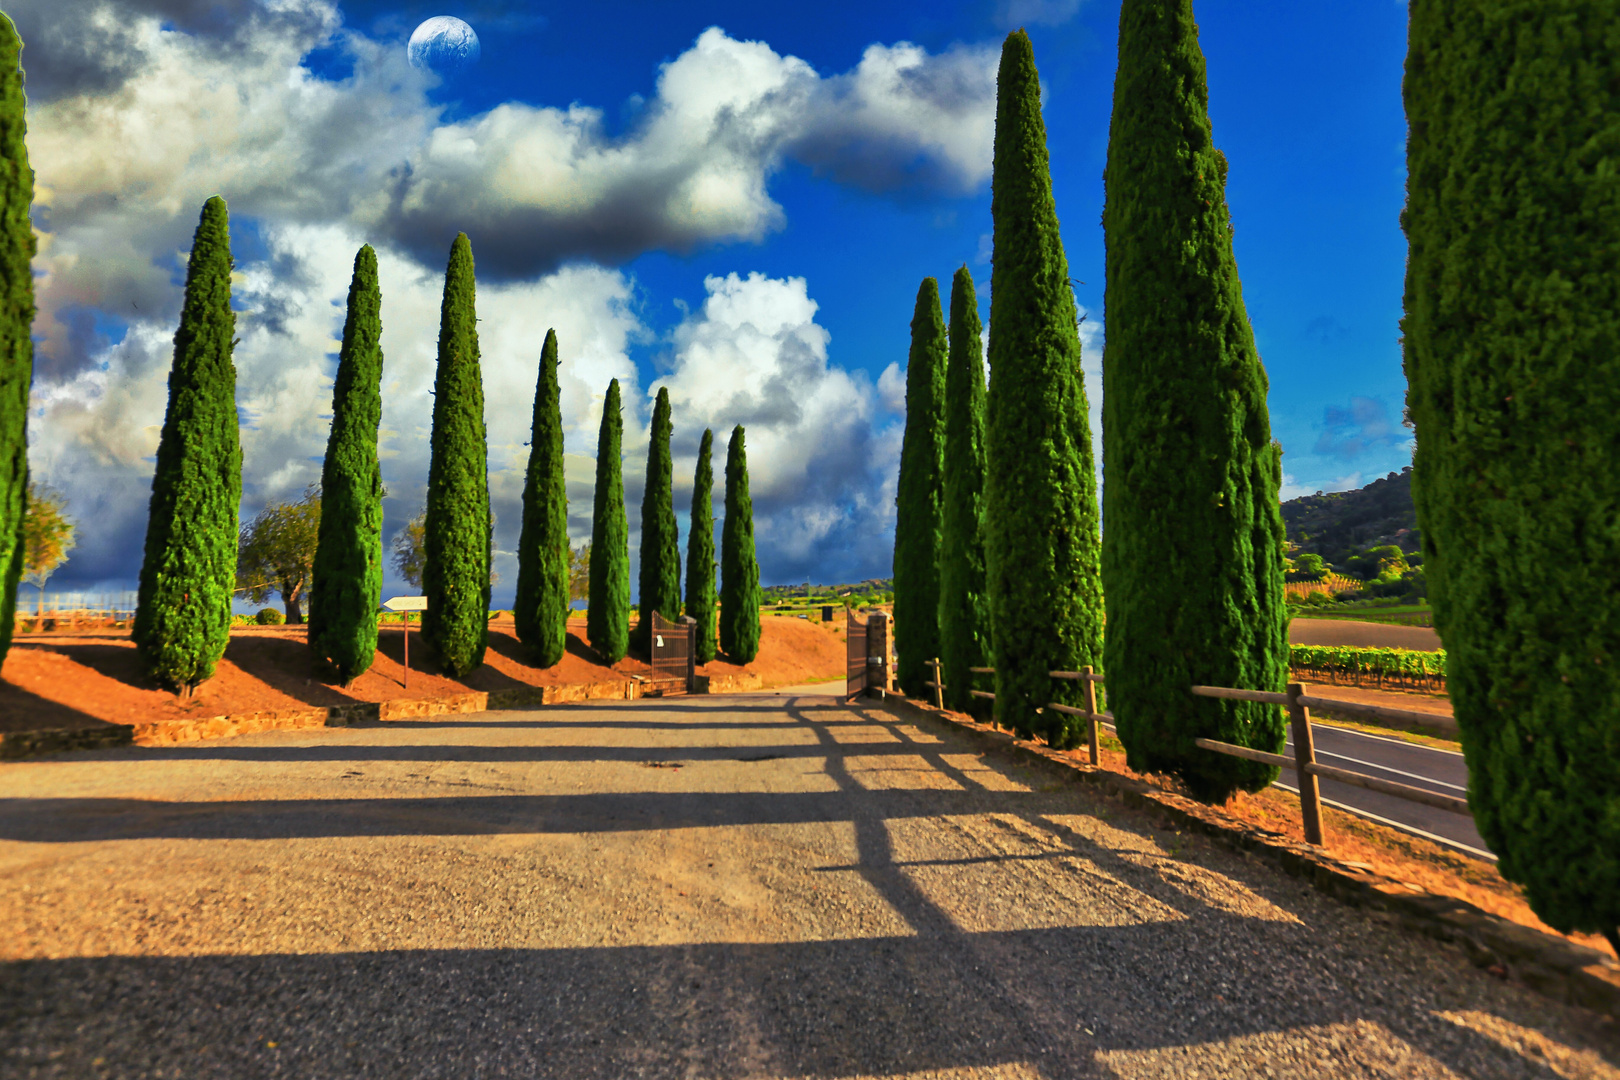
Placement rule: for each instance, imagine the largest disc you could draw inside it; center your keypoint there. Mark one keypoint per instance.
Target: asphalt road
(745, 886)
(1425, 767)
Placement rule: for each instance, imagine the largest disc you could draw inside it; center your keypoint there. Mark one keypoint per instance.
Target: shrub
(269, 617)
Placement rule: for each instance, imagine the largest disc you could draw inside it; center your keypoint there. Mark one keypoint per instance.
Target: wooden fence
(1299, 704)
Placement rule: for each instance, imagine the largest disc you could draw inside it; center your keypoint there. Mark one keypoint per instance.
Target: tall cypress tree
(916, 526)
(1512, 317)
(660, 584)
(1041, 537)
(457, 534)
(16, 317)
(607, 618)
(1192, 557)
(739, 571)
(346, 579)
(700, 597)
(183, 622)
(964, 608)
(541, 607)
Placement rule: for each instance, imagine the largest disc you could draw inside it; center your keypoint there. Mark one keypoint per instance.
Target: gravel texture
(746, 886)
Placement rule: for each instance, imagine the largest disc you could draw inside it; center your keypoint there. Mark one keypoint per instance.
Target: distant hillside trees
(1192, 557)
(16, 322)
(739, 571)
(540, 609)
(607, 615)
(964, 610)
(916, 527)
(660, 585)
(458, 531)
(346, 574)
(1512, 317)
(182, 624)
(701, 600)
(1041, 510)
(1337, 524)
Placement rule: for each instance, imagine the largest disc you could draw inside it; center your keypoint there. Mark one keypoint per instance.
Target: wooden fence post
(1310, 789)
(1089, 688)
(939, 691)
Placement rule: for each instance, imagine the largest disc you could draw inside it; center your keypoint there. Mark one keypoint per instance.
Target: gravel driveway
(744, 886)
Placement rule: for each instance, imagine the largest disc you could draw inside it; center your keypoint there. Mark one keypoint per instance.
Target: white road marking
(1386, 738)
(1402, 826)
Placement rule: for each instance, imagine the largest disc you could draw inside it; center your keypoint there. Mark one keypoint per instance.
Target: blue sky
(760, 257)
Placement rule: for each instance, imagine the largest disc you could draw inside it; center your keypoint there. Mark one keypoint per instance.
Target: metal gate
(674, 660)
(856, 666)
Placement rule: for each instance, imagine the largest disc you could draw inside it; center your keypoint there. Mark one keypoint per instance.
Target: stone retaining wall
(1551, 965)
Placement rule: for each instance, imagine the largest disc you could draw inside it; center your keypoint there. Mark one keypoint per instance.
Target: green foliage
(607, 615)
(700, 595)
(47, 536)
(579, 572)
(458, 531)
(276, 552)
(346, 577)
(916, 526)
(1356, 662)
(183, 621)
(543, 585)
(1193, 553)
(410, 549)
(739, 572)
(269, 617)
(16, 320)
(964, 606)
(1311, 566)
(1512, 317)
(1041, 522)
(660, 584)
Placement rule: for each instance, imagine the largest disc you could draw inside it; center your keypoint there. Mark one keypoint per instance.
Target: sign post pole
(406, 604)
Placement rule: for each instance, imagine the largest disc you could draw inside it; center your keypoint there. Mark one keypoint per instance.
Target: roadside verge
(1551, 965)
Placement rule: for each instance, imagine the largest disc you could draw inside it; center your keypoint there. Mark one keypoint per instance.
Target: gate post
(689, 624)
(877, 650)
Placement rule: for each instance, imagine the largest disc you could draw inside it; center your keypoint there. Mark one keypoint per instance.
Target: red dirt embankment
(56, 681)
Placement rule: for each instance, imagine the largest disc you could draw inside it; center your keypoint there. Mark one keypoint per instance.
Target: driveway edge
(1552, 966)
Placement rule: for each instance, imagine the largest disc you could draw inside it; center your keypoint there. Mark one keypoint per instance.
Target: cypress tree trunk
(660, 584)
(700, 598)
(456, 535)
(964, 608)
(16, 318)
(1512, 295)
(183, 621)
(739, 572)
(916, 525)
(607, 618)
(541, 607)
(1192, 557)
(1041, 537)
(346, 578)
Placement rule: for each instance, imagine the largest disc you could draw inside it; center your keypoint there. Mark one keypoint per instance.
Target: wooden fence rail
(1303, 761)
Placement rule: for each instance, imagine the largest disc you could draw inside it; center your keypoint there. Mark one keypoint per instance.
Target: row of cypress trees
(607, 615)
(999, 552)
(1511, 294)
(188, 572)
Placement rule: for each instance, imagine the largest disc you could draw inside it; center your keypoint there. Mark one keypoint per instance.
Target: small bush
(269, 617)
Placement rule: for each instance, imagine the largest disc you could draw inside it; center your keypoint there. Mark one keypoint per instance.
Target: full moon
(444, 44)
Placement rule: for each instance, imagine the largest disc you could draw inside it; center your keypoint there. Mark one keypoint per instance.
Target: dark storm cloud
(73, 47)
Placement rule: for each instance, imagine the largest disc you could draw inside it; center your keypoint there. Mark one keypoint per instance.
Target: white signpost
(406, 603)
